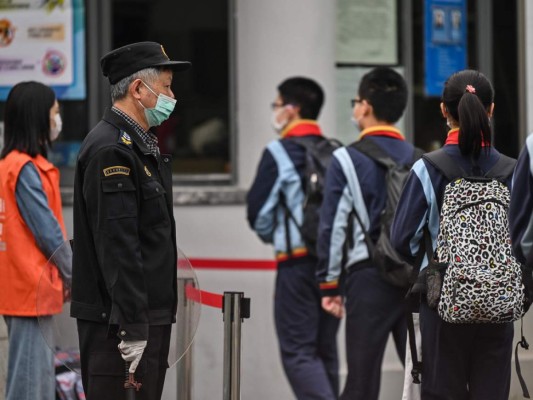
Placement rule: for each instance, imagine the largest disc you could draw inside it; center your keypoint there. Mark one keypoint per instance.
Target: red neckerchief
(302, 127)
(382, 130)
(453, 137)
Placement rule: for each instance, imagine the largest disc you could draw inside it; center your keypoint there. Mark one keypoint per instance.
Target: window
(198, 132)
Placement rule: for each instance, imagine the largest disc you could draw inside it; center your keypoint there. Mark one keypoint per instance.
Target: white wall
(277, 39)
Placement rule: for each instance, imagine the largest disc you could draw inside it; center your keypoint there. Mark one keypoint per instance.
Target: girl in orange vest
(31, 230)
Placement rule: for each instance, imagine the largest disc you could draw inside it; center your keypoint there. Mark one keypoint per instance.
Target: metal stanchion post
(235, 308)
(184, 367)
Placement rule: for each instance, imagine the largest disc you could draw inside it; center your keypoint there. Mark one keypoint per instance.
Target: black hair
(27, 119)
(386, 91)
(468, 96)
(304, 93)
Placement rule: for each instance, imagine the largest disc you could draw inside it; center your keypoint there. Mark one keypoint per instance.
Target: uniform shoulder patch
(125, 139)
(116, 170)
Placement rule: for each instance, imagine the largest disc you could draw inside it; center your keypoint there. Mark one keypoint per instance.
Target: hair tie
(470, 89)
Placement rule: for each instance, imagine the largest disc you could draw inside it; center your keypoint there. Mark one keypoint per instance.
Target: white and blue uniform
(306, 333)
(521, 208)
(459, 361)
(374, 308)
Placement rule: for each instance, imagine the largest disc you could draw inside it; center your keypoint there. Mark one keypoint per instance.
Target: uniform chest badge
(116, 170)
(147, 171)
(125, 138)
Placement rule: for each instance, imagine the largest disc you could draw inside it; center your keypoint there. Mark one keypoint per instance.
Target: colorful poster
(445, 42)
(43, 40)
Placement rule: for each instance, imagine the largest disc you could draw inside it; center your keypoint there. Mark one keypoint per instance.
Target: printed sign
(445, 41)
(367, 32)
(43, 41)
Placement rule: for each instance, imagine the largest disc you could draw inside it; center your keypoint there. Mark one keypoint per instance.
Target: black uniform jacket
(125, 257)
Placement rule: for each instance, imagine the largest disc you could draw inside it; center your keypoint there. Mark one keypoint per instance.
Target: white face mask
(355, 123)
(55, 130)
(278, 126)
(449, 123)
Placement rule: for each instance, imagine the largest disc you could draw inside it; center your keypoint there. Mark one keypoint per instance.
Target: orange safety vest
(29, 285)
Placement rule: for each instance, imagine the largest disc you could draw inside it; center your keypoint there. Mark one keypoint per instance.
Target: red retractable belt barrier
(201, 296)
(232, 264)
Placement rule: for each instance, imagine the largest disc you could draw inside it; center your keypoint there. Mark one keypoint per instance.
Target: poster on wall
(367, 32)
(445, 39)
(43, 40)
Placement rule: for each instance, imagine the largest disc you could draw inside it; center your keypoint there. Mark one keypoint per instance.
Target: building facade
(241, 50)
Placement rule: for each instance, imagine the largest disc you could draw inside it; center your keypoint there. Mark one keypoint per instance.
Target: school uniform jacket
(279, 178)
(422, 196)
(521, 208)
(354, 182)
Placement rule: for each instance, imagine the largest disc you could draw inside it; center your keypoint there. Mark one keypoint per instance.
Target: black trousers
(103, 369)
(464, 361)
(307, 335)
(374, 310)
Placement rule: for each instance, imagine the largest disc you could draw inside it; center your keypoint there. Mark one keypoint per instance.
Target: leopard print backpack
(482, 280)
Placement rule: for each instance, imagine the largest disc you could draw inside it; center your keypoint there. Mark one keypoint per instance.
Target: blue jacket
(354, 181)
(279, 177)
(421, 201)
(521, 208)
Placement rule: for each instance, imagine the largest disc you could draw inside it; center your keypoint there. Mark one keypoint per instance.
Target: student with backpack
(454, 204)
(282, 210)
(353, 214)
(520, 215)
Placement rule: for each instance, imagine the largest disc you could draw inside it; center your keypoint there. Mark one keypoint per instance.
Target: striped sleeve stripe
(329, 285)
(419, 168)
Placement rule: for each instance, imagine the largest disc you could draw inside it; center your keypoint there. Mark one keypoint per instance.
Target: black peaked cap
(126, 60)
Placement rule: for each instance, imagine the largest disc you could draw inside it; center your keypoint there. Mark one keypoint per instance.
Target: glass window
(47, 44)
(198, 132)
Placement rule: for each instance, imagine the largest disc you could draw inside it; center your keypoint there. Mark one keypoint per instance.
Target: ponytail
(468, 96)
(474, 125)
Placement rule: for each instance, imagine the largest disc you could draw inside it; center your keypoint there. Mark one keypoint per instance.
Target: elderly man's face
(160, 86)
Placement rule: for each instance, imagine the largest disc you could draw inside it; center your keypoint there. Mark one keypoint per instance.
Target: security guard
(124, 266)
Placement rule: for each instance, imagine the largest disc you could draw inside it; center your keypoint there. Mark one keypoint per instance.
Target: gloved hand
(132, 351)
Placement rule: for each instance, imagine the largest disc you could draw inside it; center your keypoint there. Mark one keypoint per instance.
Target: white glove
(132, 351)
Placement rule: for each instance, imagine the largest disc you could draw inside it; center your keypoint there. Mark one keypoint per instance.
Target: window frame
(99, 21)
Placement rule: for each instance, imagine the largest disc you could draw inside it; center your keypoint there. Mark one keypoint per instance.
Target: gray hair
(120, 89)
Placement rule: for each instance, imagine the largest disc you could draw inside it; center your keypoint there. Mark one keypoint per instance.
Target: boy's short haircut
(304, 93)
(386, 91)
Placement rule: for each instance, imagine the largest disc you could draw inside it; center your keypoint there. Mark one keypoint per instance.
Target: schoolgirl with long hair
(459, 361)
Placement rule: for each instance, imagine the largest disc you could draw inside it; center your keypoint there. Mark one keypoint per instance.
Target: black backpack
(318, 154)
(390, 265)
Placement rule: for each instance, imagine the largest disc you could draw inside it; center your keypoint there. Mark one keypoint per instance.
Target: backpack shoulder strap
(445, 164)
(304, 141)
(417, 154)
(503, 168)
(372, 150)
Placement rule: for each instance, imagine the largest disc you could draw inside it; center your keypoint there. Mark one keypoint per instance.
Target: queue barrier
(235, 308)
